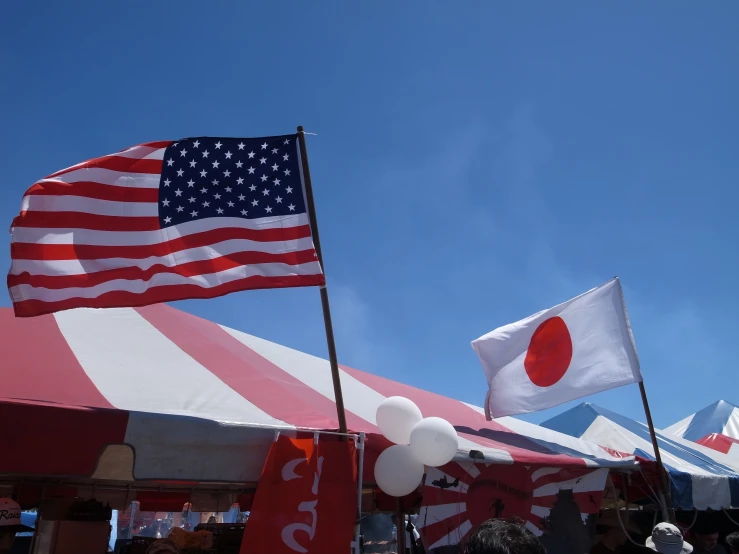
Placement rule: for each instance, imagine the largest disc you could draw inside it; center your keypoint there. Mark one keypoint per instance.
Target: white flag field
(575, 349)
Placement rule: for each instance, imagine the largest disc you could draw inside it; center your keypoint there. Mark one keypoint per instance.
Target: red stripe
(261, 382)
(91, 189)
(50, 440)
(521, 448)
(437, 530)
(28, 251)
(116, 163)
(154, 144)
(170, 293)
(81, 220)
(190, 269)
(31, 379)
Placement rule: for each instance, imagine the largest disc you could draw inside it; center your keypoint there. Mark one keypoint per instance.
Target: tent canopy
(700, 477)
(722, 443)
(720, 417)
(154, 393)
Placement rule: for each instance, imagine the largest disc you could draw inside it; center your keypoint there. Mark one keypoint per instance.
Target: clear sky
(474, 162)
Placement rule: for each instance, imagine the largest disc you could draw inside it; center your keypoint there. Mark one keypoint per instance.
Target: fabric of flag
(163, 221)
(577, 348)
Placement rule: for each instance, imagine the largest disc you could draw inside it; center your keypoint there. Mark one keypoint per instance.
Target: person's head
(732, 542)
(10, 523)
(706, 534)
(668, 539)
(498, 536)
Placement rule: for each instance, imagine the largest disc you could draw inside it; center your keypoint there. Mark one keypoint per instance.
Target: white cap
(667, 539)
(10, 517)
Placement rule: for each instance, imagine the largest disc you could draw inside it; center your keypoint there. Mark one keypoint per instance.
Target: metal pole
(324, 293)
(668, 512)
(360, 477)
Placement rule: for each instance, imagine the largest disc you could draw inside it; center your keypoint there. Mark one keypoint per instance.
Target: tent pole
(668, 512)
(324, 293)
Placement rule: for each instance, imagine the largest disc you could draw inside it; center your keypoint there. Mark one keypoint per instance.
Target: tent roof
(720, 417)
(700, 477)
(196, 400)
(722, 443)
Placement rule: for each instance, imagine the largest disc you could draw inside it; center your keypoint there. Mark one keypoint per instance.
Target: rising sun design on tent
(460, 496)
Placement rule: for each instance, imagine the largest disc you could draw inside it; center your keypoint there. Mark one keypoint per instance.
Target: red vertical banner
(306, 500)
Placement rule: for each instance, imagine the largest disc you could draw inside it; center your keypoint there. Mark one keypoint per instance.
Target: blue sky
(474, 162)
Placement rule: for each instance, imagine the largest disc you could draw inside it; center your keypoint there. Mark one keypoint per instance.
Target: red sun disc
(550, 353)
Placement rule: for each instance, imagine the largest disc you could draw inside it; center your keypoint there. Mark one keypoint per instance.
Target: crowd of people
(497, 536)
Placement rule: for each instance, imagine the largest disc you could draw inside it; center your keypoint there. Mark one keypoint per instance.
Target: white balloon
(396, 417)
(434, 441)
(397, 472)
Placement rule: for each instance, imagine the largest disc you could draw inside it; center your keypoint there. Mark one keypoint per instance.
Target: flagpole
(668, 512)
(333, 360)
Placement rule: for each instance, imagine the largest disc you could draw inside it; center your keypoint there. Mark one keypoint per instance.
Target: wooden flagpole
(324, 293)
(668, 512)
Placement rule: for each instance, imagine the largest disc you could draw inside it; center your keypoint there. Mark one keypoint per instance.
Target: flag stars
(291, 207)
(165, 203)
(241, 145)
(239, 164)
(268, 210)
(220, 211)
(265, 192)
(215, 181)
(287, 172)
(203, 190)
(180, 208)
(264, 146)
(191, 199)
(167, 220)
(253, 188)
(286, 157)
(183, 153)
(191, 183)
(216, 164)
(275, 167)
(196, 144)
(287, 141)
(276, 181)
(228, 155)
(262, 160)
(228, 189)
(274, 150)
(242, 197)
(218, 145)
(167, 182)
(230, 204)
(278, 200)
(180, 172)
(194, 213)
(203, 173)
(251, 155)
(251, 171)
(244, 213)
(240, 181)
(227, 173)
(289, 190)
(206, 204)
(217, 196)
(205, 153)
(170, 162)
(255, 202)
(193, 163)
(178, 192)
(264, 178)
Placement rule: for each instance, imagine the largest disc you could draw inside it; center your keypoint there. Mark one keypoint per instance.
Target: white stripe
(454, 537)
(436, 474)
(43, 203)
(37, 235)
(592, 481)
(137, 368)
(534, 529)
(139, 286)
(470, 468)
(543, 472)
(141, 152)
(428, 515)
(108, 177)
(360, 399)
(541, 511)
(216, 250)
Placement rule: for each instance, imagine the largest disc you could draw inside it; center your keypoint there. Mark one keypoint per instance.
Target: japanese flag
(575, 349)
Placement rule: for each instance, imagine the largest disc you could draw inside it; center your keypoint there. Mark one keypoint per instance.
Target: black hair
(498, 536)
(733, 541)
(706, 526)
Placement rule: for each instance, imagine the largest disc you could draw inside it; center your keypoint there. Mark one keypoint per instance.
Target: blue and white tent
(720, 417)
(700, 477)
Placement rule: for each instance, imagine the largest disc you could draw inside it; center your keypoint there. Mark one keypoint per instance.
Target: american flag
(162, 221)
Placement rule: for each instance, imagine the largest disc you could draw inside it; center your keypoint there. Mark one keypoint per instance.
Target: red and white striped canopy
(198, 401)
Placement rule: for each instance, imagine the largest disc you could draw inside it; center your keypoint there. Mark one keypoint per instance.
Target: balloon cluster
(418, 442)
